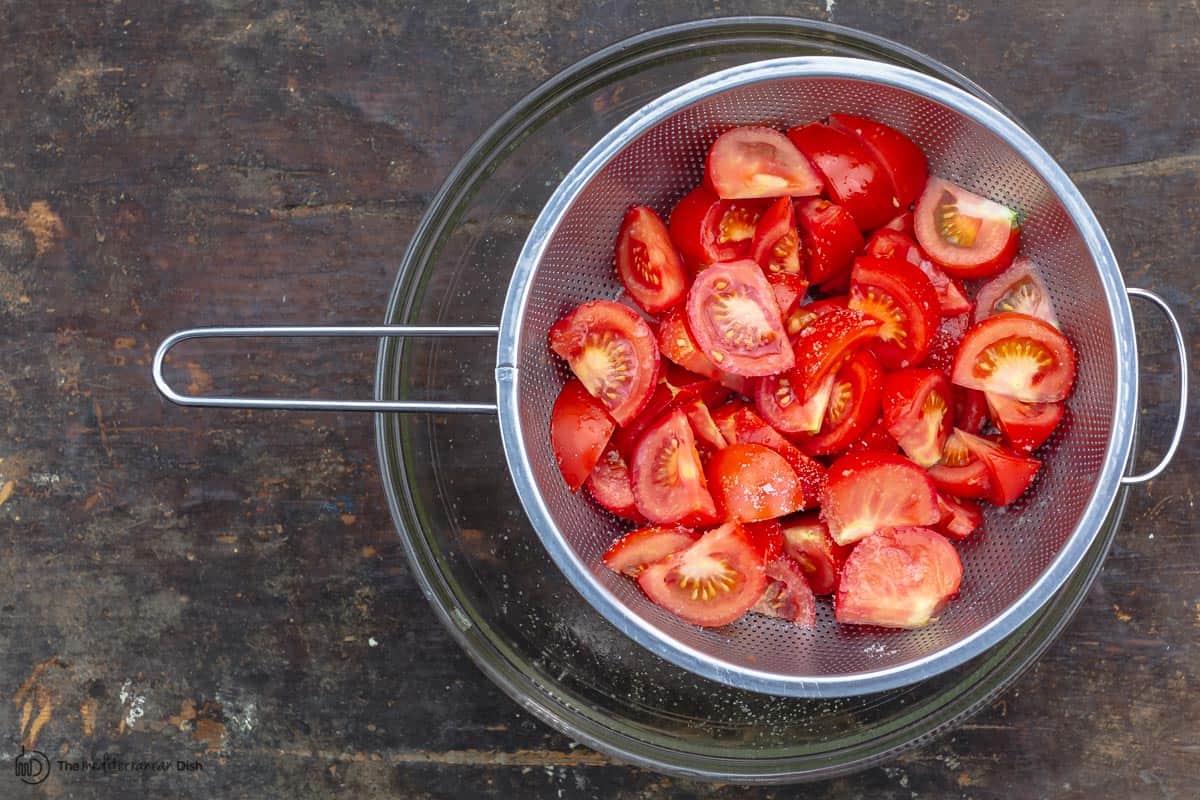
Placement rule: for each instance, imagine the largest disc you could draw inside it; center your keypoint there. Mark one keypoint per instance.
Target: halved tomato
(823, 344)
(900, 158)
(1017, 289)
(750, 482)
(887, 243)
(610, 486)
(668, 479)
(755, 161)
(1009, 473)
(870, 491)
(899, 578)
(960, 518)
(854, 404)
(731, 310)
(918, 412)
(738, 423)
(711, 582)
(853, 178)
(830, 237)
(1016, 356)
(613, 352)
(638, 549)
(707, 229)
(648, 263)
(776, 400)
(679, 346)
(903, 300)
(1024, 425)
(788, 595)
(806, 539)
(776, 245)
(579, 431)
(875, 438)
(967, 235)
(970, 409)
(960, 473)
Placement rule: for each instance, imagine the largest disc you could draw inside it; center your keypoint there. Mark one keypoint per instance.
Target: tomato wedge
(887, 243)
(613, 352)
(870, 491)
(707, 229)
(755, 161)
(740, 424)
(1017, 289)
(668, 479)
(712, 582)
(732, 313)
(648, 263)
(708, 435)
(579, 431)
(969, 236)
(609, 485)
(901, 159)
(960, 518)
(970, 409)
(630, 433)
(918, 412)
(945, 343)
(638, 549)
(788, 595)
(790, 293)
(679, 346)
(1009, 473)
(960, 473)
(767, 537)
(822, 345)
(1024, 425)
(853, 406)
(776, 246)
(806, 539)
(853, 177)
(899, 578)
(1016, 356)
(776, 400)
(903, 300)
(750, 482)
(831, 239)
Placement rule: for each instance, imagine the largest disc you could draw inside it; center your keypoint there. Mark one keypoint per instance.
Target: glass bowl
(478, 560)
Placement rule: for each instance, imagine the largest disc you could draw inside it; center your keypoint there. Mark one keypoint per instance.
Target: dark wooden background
(228, 587)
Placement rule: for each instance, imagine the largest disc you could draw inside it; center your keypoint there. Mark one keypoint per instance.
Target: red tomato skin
(1051, 385)
(638, 549)
(1025, 426)
(900, 158)
(823, 344)
(830, 237)
(572, 334)
(750, 483)
(786, 171)
(648, 264)
(770, 352)
(1002, 236)
(898, 578)
(1009, 473)
(908, 288)
(580, 428)
(610, 486)
(738, 423)
(853, 178)
(871, 491)
(875, 439)
(767, 536)
(687, 501)
(960, 518)
(864, 377)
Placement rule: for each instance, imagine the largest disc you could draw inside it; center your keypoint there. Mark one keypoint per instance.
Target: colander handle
(438, 406)
(1181, 346)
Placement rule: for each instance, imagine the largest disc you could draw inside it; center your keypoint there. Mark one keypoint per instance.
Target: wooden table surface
(227, 587)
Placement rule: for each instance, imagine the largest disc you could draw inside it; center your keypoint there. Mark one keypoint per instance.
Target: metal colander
(1027, 550)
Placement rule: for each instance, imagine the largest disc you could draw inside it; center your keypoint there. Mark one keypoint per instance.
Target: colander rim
(1104, 492)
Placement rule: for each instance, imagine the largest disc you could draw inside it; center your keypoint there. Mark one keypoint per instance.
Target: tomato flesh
(902, 299)
(707, 229)
(898, 578)
(613, 352)
(740, 424)
(732, 313)
(875, 439)
(806, 539)
(776, 400)
(753, 161)
(638, 549)
(648, 263)
(918, 411)
(610, 486)
(711, 582)
(1016, 356)
(853, 406)
(776, 246)
(1025, 426)
(1019, 289)
(668, 479)
(887, 243)
(969, 236)
(750, 482)
(870, 491)
(788, 595)
(1009, 473)
(830, 237)
(901, 159)
(853, 177)
(579, 431)
(679, 346)
(823, 344)
(960, 473)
